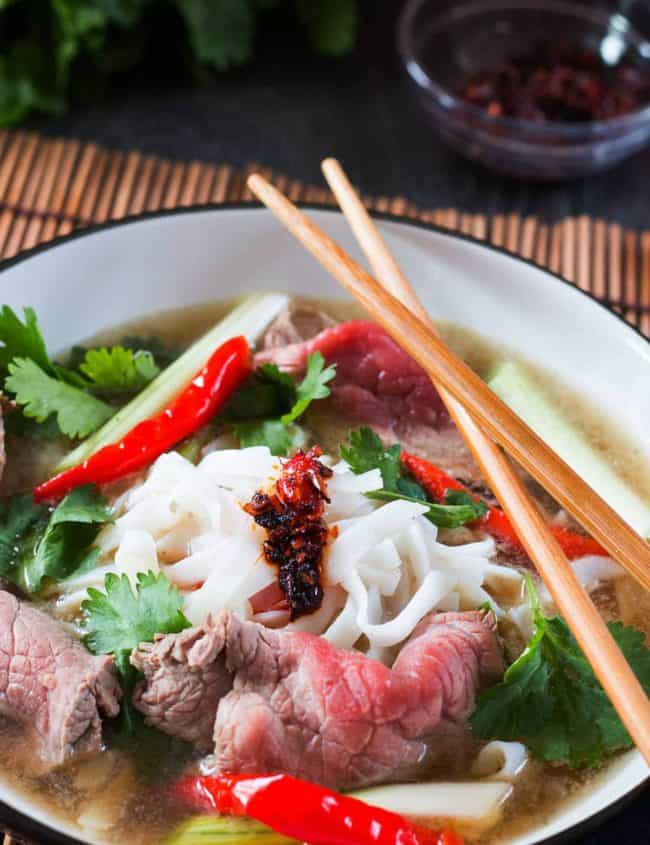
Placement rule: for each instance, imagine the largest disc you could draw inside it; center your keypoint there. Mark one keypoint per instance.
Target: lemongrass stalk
(470, 806)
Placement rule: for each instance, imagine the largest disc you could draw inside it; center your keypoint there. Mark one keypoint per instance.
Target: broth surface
(109, 789)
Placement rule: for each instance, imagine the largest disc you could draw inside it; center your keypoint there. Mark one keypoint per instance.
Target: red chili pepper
(228, 366)
(305, 811)
(436, 482)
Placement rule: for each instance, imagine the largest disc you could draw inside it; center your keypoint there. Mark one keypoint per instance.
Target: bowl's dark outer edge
(25, 826)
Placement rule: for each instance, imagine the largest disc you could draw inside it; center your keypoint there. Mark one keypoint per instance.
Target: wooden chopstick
(494, 416)
(542, 547)
(610, 666)
(498, 472)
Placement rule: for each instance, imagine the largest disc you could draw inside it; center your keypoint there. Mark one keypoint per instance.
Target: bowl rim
(21, 823)
(582, 132)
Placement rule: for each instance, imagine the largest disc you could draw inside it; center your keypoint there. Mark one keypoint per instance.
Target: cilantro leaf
(21, 340)
(64, 546)
(18, 516)
(267, 405)
(311, 388)
(35, 542)
(460, 498)
(77, 413)
(272, 433)
(365, 451)
(163, 353)
(551, 700)
(118, 369)
(268, 392)
(19, 425)
(118, 619)
(451, 515)
(44, 42)
(221, 31)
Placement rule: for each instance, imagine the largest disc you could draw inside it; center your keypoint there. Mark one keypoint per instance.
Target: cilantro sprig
(42, 396)
(20, 339)
(36, 542)
(118, 369)
(364, 451)
(68, 400)
(266, 408)
(46, 42)
(119, 618)
(459, 507)
(551, 700)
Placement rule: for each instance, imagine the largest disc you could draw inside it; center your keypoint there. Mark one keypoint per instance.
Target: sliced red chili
(208, 391)
(305, 811)
(437, 482)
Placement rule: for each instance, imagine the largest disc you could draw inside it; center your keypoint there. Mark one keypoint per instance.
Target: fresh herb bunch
(118, 619)
(47, 46)
(65, 400)
(264, 411)
(551, 700)
(37, 542)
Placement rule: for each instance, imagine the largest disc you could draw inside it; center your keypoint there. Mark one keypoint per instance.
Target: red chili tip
(450, 837)
(427, 836)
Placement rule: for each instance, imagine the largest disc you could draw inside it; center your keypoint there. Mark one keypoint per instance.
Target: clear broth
(106, 793)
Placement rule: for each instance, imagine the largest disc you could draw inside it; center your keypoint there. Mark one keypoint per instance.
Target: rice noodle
(383, 566)
(500, 761)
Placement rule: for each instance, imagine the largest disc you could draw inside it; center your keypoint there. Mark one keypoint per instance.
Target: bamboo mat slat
(50, 187)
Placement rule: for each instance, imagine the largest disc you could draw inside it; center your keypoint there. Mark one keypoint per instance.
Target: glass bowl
(443, 42)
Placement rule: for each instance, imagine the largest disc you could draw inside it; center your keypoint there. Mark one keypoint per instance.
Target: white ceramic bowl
(118, 272)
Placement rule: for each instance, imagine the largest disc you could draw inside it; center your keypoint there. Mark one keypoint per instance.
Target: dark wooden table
(289, 109)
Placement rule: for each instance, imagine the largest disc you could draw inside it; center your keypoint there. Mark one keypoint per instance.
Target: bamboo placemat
(49, 187)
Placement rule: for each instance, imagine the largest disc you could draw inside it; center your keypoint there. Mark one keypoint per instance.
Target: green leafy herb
(220, 31)
(451, 515)
(312, 387)
(58, 399)
(118, 619)
(19, 515)
(163, 353)
(21, 339)
(268, 404)
(365, 451)
(19, 425)
(64, 546)
(57, 50)
(36, 542)
(271, 433)
(77, 413)
(551, 700)
(268, 392)
(118, 369)
(331, 24)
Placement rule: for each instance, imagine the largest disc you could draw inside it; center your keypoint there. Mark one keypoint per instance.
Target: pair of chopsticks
(475, 410)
